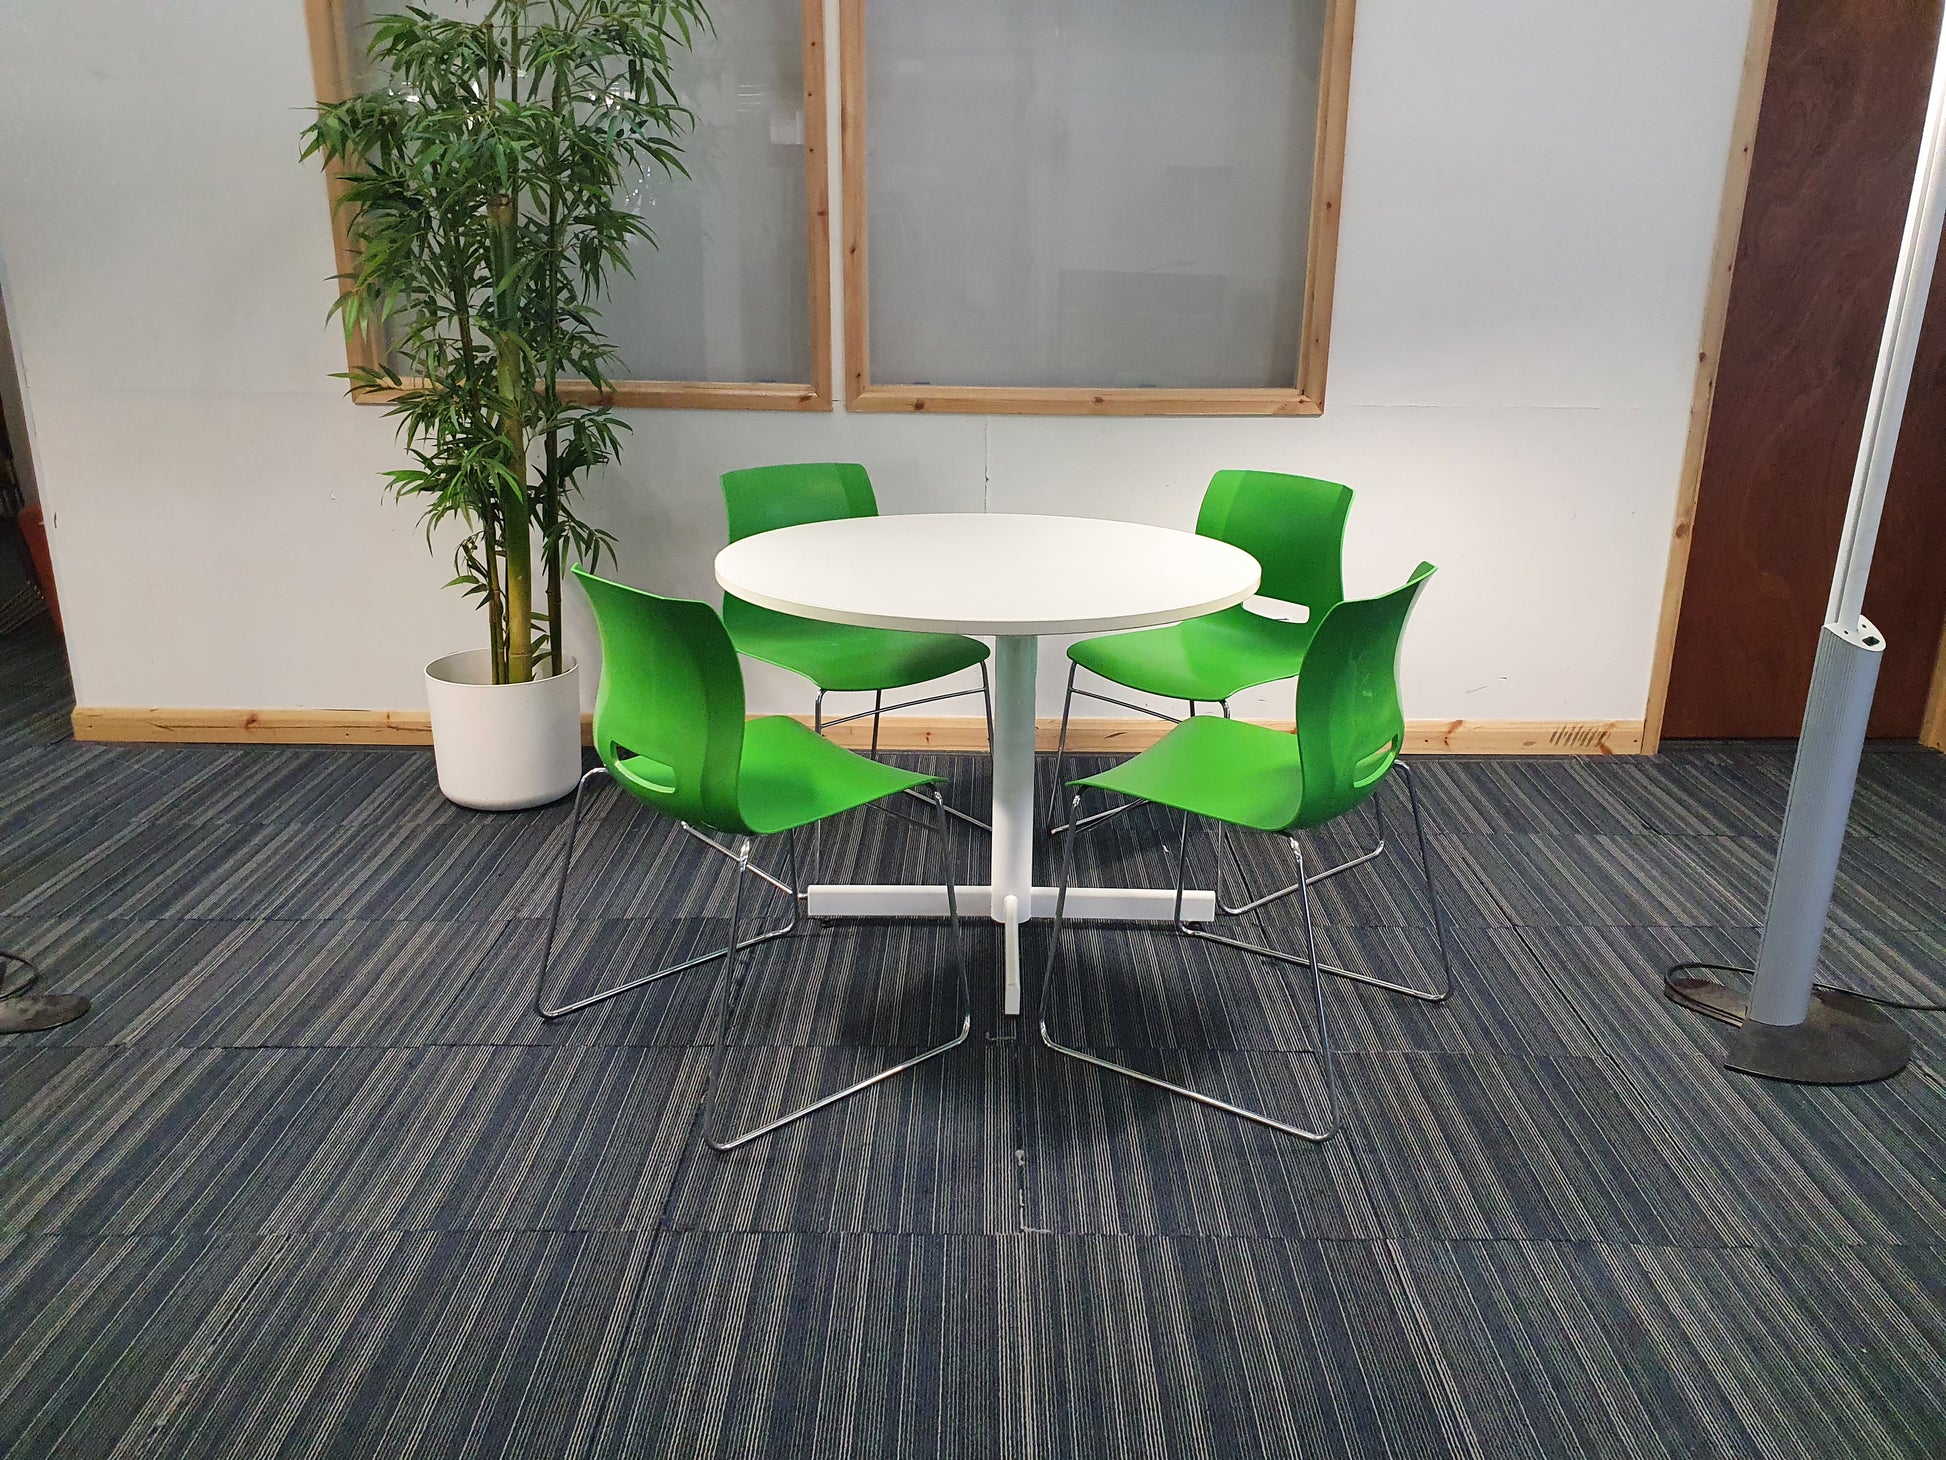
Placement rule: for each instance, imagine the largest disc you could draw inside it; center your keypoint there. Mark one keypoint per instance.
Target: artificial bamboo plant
(482, 178)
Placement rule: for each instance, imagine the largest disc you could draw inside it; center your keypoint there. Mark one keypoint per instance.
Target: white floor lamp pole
(1791, 1030)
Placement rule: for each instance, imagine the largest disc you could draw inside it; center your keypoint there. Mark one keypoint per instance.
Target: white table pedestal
(1010, 894)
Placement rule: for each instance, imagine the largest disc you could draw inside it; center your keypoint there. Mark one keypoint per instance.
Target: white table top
(987, 573)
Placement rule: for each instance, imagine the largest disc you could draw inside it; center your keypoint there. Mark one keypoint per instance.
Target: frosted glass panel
(1089, 193)
(725, 294)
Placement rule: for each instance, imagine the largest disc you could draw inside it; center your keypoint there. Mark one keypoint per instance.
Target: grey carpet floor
(312, 1181)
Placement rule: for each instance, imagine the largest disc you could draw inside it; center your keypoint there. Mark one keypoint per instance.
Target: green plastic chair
(1295, 528)
(1350, 729)
(670, 730)
(835, 657)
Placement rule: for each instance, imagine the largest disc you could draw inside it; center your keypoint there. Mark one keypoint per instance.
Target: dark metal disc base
(1844, 1040)
(25, 1013)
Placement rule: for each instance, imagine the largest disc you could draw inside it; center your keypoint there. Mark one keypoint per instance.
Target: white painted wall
(1531, 192)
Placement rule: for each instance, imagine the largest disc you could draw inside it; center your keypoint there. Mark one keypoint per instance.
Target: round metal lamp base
(25, 1013)
(1844, 1040)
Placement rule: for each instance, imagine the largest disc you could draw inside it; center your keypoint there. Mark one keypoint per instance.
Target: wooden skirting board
(412, 727)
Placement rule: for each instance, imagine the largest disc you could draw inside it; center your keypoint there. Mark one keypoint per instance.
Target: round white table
(1014, 577)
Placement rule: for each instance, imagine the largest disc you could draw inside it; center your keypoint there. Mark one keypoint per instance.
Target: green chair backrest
(764, 497)
(1293, 526)
(1350, 726)
(669, 712)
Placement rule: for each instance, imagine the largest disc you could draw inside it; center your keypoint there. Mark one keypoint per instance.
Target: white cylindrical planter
(503, 747)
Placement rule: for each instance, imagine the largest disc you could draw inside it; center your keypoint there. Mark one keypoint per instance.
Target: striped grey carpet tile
(1498, 1148)
(736, 1344)
(930, 1150)
(1387, 892)
(492, 1344)
(158, 869)
(893, 983)
(295, 784)
(1913, 817)
(1502, 1001)
(1782, 1164)
(831, 984)
(46, 864)
(1564, 796)
(1612, 977)
(493, 1002)
(1630, 881)
(1882, 1146)
(122, 1141)
(1152, 988)
(257, 871)
(267, 871)
(92, 1331)
(272, 1141)
(1599, 1349)
(501, 1139)
(301, 983)
(132, 971)
(1883, 884)
(1197, 1348)
(631, 862)
(1218, 1350)
(819, 1347)
(36, 714)
(1691, 796)
(476, 870)
(312, 1179)
(628, 862)
(1105, 1154)
(31, 654)
(1908, 964)
(1705, 881)
(1156, 990)
(75, 786)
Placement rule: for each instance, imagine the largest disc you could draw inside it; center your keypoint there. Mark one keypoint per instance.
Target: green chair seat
(1208, 658)
(843, 656)
(791, 776)
(1229, 770)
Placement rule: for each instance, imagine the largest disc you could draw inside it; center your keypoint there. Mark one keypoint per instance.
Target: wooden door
(1831, 172)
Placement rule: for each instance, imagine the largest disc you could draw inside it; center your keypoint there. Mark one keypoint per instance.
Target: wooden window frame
(333, 69)
(1304, 398)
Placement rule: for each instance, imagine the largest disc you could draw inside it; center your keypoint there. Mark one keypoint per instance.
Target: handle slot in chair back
(672, 730)
(1350, 724)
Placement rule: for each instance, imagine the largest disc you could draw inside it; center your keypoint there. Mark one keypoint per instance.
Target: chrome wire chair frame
(880, 708)
(1242, 1112)
(541, 1006)
(1223, 842)
(1056, 828)
(731, 986)
(1304, 883)
(730, 983)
